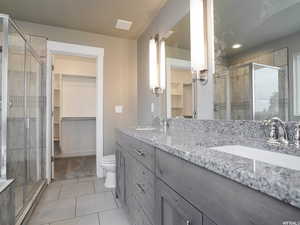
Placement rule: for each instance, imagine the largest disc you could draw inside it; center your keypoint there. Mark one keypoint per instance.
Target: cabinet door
(173, 209)
(120, 175)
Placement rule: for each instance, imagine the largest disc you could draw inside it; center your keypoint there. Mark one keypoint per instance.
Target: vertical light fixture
(153, 71)
(162, 64)
(198, 40)
(157, 74)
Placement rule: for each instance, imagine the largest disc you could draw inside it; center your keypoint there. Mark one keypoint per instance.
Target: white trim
(175, 64)
(54, 47)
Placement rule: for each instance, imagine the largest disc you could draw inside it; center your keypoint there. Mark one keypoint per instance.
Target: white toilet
(109, 167)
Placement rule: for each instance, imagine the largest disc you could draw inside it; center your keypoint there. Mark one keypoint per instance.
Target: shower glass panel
(240, 88)
(22, 112)
(16, 117)
(2, 163)
(265, 91)
(40, 46)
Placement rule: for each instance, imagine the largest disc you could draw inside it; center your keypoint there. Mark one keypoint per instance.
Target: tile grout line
(115, 200)
(76, 206)
(98, 214)
(94, 184)
(60, 190)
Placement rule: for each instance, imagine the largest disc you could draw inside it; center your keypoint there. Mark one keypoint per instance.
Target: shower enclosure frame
(4, 97)
(29, 196)
(6, 21)
(251, 84)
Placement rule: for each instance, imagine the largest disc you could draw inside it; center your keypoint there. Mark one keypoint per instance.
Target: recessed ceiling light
(123, 24)
(235, 46)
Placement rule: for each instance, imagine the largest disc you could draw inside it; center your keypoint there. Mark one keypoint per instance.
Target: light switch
(118, 109)
(152, 107)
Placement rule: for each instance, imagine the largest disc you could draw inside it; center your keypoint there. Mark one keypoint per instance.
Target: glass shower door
(16, 115)
(34, 126)
(265, 91)
(24, 123)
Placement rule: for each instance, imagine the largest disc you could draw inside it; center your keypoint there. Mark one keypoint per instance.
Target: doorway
(74, 121)
(180, 89)
(74, 116)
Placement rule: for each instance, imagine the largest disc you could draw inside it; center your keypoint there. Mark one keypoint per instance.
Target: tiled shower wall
(239, 83)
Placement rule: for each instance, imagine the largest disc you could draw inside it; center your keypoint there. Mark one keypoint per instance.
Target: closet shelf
(88, 76)
(177, 107)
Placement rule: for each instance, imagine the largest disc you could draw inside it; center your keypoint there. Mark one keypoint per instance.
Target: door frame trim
(54, 47)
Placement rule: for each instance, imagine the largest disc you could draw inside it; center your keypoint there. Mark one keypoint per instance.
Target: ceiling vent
(123, 24)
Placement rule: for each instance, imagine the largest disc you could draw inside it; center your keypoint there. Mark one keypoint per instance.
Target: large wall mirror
(257, 62)
(257, 46)
(179, 88)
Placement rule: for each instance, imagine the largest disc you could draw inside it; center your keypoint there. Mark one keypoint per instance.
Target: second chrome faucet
(277, 132)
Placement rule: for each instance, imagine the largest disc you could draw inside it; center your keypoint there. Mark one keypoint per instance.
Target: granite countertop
(278, 182)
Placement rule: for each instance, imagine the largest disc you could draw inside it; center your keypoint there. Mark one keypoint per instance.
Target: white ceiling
(97, 16)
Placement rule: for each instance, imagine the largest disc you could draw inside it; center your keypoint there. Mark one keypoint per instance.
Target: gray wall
(78, 136)
(169, 15)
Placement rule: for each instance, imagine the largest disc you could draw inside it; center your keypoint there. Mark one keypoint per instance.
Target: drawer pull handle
(139, 152)
(188, 222)
(141, 188)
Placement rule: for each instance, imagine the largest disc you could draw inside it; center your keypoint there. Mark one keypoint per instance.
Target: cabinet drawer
(143, 152)
(144, 190)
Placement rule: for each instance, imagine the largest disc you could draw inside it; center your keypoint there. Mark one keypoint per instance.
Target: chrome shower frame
(6, 22)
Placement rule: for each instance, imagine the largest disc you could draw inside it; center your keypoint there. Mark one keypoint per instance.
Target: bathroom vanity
(178, 178)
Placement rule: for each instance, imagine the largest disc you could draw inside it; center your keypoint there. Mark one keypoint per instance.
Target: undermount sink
(274, 158)
(145, 128)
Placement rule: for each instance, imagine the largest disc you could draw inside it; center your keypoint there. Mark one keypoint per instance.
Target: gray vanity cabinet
(136, 179)
(120, 175)
(158, 188)
(172, 209)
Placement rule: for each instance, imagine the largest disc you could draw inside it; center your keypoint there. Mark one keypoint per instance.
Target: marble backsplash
(238, 128)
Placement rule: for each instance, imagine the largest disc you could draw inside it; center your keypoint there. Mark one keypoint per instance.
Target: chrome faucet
(297, 135)
(275, 136)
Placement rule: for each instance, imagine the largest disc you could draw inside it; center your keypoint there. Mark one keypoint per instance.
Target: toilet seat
(109, 166)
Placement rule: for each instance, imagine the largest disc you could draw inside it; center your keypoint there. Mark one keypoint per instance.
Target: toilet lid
(109, 158)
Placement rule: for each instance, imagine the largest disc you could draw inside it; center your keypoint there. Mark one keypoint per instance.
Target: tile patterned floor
(78, 202)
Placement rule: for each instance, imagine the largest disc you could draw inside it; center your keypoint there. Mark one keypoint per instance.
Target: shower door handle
(10, 104)
(27, 123)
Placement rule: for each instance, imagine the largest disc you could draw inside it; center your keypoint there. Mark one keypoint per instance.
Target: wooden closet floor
(75, 167)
